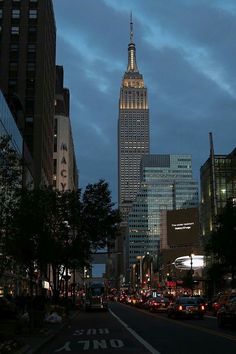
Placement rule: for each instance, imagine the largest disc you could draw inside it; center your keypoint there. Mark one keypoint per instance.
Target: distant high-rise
(218, 184)
(27, 76)
(133, 131)
(166, 184)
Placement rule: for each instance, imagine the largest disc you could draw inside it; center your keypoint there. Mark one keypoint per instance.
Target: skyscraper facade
(27, 76)
(133, 130)
(166, 184)
(218, 184)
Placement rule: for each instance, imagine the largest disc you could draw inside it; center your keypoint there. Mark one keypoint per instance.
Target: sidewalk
(37, 340)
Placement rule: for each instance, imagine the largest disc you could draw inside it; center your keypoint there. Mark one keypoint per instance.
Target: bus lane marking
(136, 335)
(90, 331)
(93, 344)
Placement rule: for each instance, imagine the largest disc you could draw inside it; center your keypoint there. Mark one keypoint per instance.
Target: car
(221, 300)
(7, 308)
(141, 301)
(158, 304)
(226, 315)
(202, 301)
(186, 307)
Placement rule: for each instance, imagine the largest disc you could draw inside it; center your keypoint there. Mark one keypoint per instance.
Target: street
(127, 329)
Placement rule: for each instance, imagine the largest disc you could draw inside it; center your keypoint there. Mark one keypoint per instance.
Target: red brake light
(202, 307)
(180, 307)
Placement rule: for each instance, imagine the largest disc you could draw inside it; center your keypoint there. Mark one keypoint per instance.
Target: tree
(61, 228)
(221, 243)
(10, 182)
(100, 221)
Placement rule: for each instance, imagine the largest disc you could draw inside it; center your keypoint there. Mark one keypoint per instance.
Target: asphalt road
(126, 329)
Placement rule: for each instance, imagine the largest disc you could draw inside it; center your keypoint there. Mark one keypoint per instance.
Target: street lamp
(140, 259)
(191, 272)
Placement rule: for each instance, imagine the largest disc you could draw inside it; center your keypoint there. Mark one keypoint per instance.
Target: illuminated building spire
(132, 65)
(131, 29)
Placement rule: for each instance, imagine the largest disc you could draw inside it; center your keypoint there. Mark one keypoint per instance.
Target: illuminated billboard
(189, 262)
(183, 227)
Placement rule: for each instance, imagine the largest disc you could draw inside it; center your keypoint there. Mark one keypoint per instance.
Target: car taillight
(180, 307)
(202, 307)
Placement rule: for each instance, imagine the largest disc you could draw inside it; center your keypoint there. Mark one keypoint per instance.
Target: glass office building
(166, 184)
(218, 184)
(8, 126)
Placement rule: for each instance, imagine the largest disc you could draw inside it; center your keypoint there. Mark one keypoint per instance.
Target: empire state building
(133, 130)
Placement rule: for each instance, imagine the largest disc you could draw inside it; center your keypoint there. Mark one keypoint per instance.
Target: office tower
(218, 184)
(27, 75)
(166, 184)
(65, 176)
(133, 130)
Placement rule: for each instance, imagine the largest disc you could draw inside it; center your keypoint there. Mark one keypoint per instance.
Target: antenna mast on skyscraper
(131, 28)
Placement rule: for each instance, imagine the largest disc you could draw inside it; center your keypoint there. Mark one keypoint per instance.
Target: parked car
(158, 304)
(227, 313)
(7, 308)
(221, 300)
(186, 307)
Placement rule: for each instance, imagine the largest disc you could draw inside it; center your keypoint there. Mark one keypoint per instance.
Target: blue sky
(186, 51)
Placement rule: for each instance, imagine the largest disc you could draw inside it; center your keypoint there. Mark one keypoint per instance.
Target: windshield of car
(188, 300)
(98, 291)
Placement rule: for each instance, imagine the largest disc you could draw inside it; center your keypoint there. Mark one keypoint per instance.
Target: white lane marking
(136, 335)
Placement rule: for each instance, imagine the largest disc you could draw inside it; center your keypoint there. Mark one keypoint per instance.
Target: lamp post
(140, 259)
(191, 272)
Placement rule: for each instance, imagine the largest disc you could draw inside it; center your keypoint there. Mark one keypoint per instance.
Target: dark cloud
(186, 52)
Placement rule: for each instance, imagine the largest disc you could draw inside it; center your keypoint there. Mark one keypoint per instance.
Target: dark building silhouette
(27, 76)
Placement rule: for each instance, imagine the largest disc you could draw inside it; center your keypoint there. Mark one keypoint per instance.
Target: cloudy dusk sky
(186, 51)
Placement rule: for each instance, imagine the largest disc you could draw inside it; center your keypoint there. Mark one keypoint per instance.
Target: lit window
(32, 13)
(15, 13)
(29, 119)
(15, 30)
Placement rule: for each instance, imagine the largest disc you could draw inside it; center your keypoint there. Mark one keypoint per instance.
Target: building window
(15, 13)
(33, 14)
(14, 47)
(55, 166)
(29, 119)
(12, 85)
(32, 34)
(31, 67)
(31, 52)
(15, 30)
(29, 107)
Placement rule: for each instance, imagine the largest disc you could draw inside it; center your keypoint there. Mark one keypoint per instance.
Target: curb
(27, 349)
